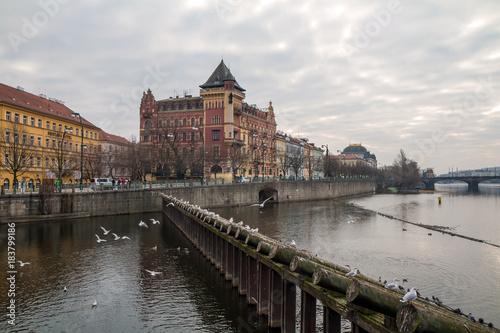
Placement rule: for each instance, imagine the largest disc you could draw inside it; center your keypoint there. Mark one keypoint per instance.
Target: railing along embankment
(268, 272)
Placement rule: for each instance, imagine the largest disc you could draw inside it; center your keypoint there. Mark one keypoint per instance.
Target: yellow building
(42, 138)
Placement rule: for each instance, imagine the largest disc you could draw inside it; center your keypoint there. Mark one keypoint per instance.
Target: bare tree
(296, 158)
(237, 159)
(406, 172)
(63, 159)
(16, 151)
(92, 166)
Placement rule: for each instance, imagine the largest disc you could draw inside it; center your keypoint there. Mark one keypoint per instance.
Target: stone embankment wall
(29, 207)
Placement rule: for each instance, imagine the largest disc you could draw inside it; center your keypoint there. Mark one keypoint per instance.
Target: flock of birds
(412, 294)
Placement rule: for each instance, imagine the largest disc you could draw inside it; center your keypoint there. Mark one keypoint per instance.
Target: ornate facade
(214, 135)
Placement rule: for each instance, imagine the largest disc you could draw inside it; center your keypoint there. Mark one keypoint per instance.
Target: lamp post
(76, 114)
(263, 147)
(197, 128)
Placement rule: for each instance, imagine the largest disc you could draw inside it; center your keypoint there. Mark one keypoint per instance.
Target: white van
(95, 183)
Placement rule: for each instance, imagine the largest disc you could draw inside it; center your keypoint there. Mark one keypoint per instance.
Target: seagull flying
(353, 272)
(23, 263)
(104, 231)
(125, 237)
(261, 205)
(392, 285)
(154, 248)
(153, 273)
(410, 296)
(65, 289)
(143, 224)
(98, 239)
(116, 236)
(350, 219)
(155, 221)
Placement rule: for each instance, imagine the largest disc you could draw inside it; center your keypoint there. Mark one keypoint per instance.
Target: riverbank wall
(34, 207)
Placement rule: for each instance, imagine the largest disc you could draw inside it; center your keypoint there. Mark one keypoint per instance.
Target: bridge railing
(269, 272)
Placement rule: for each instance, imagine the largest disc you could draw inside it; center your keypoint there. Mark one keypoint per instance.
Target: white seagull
(410, 296)
(104, 231)
(231, 220)
(98, 239)
(350, 219)
(154, 248)
(392, 285)
(143, 224)
(239, 223)
(353, 272)
(155, 221)
(94, 305)
(23, 263)
(170, 204)
(153, 273)
(254, 230)
(292, 243)
(125, 237)
(65, 289)
(261, 205)
(116, 236)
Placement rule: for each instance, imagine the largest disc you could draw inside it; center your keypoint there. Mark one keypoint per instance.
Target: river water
(191, 296)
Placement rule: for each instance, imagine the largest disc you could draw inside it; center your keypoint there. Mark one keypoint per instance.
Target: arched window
(6, 184)
(184, 122)
(168, 122)
(160, 123)
(148, 124)
(176, 122)
(201, 120)
(193, 122)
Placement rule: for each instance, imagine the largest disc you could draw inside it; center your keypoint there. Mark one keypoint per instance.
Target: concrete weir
(269, 272)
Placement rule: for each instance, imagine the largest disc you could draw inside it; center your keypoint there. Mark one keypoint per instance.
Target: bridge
(268, 272)
(473, 182)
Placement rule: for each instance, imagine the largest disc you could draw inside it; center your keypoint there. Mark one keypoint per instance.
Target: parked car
(95, 183)
(245, 180)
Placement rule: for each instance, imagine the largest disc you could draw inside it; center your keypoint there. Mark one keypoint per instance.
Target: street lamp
(76, 114)
(263, 147)
(197, 128)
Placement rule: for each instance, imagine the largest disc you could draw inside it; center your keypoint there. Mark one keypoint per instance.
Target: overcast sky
(423, 76)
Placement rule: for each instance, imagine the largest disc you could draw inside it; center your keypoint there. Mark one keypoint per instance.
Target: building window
(71, 146)
(168, 122)
(201, 120)
(53, 126)
(193, 122)
(47, 125)
(215, 135)
(46, 162)
(7, 115)
(25, 120)
(76, 147)
(31, 161)
(25, 139)
(77, 131)
(47, 143)
(16, 117)
(39, 140)
(146, 138)
(40, 123)
(7, 136)
(160, 123)
(148, 124)
(60, 128)
(38, 161)
(216, 120)
(86, 134)
(176, 122)
(53, 163)
(184, 136)
(32, 121)
(184, 122)
(54, 144)
(216, 151)
(192, 136)
(95, 136)
(32, 140)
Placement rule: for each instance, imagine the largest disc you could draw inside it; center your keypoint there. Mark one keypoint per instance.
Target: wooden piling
(307, 313)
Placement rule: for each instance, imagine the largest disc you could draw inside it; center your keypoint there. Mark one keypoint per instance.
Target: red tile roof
(103, 136)
(41, 104)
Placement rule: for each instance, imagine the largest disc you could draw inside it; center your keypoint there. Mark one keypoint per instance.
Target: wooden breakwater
(269, 272)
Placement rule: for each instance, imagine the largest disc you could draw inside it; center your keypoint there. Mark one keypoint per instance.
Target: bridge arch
(268, 192)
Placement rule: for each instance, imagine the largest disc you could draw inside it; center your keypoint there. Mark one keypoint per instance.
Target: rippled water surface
(191, 296)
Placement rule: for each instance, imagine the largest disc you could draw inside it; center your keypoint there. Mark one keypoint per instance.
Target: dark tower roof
(221, 74)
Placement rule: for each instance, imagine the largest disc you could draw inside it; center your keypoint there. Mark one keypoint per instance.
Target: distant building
(113, 149)
(356, 154)
(215, 134)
